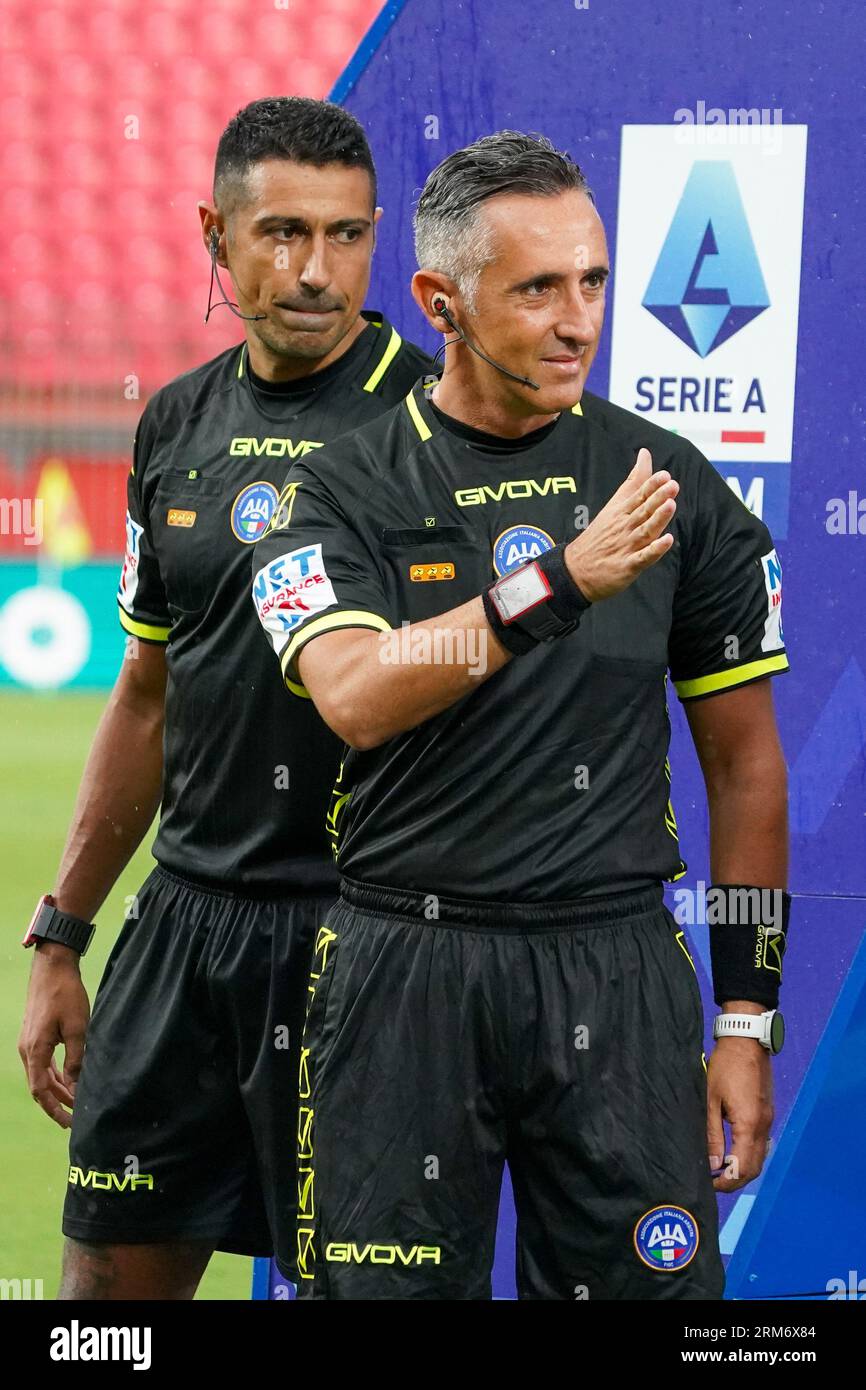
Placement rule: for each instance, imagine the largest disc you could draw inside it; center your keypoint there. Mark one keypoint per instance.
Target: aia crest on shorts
(517, 546)
(666, 1238)
(252, 509)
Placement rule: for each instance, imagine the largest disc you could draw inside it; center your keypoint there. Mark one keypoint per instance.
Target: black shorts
(183, 1124)
(566, 1040)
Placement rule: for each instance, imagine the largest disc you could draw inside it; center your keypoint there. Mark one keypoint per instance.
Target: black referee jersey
(247, 771)
(551, 780)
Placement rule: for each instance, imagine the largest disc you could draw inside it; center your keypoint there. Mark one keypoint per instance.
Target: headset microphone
(441, 308)
(214, 246)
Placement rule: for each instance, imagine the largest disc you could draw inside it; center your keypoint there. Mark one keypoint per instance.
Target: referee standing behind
(500, 979)
(179, 1144)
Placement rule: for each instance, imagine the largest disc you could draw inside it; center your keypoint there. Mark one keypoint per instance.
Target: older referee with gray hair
(500, 979)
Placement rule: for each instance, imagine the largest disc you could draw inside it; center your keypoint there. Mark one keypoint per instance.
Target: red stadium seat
(103, 271)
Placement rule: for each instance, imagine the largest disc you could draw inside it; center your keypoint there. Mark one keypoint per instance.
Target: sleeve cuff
(329, 622)
(149, 632)
(729, 680)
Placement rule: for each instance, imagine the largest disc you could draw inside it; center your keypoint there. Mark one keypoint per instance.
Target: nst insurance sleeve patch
(129, 570)
(291, 589)
(773, 637)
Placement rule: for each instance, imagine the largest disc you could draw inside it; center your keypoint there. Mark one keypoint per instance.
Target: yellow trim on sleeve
(146, 630)
(329, 622)
(726, 680)
(418, 418)
(241, 361)
(395, 342)
(577, 409)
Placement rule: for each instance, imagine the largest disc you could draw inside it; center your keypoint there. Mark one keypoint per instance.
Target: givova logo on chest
(514, 490)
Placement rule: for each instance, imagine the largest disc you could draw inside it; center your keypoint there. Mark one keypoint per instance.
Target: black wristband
(748, 936)
(562, 609)
(567, 601)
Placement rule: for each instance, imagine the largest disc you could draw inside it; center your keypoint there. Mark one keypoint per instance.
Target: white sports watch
(767, 1028)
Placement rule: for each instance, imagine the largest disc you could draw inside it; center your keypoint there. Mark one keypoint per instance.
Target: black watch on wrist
(48, 923)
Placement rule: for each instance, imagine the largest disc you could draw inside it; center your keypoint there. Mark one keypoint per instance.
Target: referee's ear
(428, 285)
(212, 222)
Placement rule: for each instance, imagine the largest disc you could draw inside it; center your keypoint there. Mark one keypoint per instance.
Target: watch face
(519, 591)
(45, 901)
(777, 1032)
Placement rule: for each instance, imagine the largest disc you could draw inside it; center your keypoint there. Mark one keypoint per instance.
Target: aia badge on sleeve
(252, 509)
(666, 1238)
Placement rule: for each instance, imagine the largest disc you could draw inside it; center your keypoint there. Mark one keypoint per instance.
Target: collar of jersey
(423, 420)
(379, 352)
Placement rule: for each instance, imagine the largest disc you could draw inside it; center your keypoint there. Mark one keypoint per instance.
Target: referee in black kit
(179, 1141)
(500, 979)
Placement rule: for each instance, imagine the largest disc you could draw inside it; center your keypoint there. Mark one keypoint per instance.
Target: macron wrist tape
(553, 610)
(748, 935)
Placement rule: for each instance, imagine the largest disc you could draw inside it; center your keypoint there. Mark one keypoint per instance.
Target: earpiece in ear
(214, 241)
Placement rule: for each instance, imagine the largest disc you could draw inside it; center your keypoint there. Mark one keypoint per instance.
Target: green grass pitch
(43, 744)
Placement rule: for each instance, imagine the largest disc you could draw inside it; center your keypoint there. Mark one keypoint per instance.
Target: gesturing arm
(367, 698)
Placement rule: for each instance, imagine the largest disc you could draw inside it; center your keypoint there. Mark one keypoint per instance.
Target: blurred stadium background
(109, 119)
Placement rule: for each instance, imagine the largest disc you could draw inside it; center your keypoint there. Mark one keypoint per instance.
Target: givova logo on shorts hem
(666, 1238)
(343, 1252)
(109, 1182)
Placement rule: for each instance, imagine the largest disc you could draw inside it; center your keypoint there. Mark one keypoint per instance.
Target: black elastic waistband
(245, 894)
(500, 916)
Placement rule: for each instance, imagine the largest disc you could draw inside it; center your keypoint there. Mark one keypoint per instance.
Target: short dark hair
(448, 237)
(297, 128)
